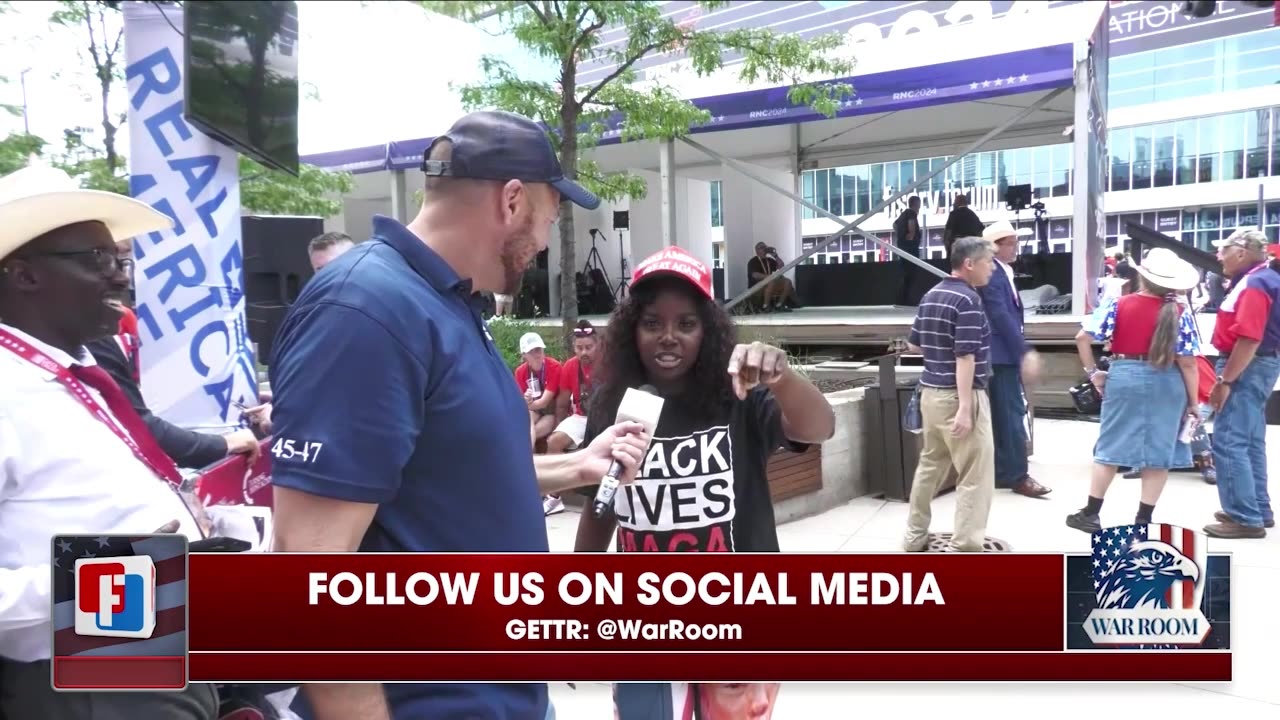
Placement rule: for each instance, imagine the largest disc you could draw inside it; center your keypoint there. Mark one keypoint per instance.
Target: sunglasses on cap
(584, 332)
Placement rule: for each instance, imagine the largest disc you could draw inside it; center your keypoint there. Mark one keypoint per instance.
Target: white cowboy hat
(36, 199)
(1165, 269)
(998, 229)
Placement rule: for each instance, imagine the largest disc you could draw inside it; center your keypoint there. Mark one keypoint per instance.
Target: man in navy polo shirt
(397, 425)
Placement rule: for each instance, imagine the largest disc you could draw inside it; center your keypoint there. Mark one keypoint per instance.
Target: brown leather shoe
(1225, 518)
(1232, 530)
(1030, 488)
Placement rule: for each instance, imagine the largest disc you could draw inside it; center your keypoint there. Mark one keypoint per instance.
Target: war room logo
(1149, 582)
(683, 500)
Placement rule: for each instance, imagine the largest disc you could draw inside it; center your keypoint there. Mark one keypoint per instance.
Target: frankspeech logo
(1149, 582)
(116, 597)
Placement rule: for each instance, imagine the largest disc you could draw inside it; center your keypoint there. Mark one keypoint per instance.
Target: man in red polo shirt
(1247, 336)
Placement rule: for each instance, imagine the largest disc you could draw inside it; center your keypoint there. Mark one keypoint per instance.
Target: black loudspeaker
(621, 220)
(276, 266)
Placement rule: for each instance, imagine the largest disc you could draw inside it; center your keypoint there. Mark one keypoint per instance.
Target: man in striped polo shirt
(951, 332)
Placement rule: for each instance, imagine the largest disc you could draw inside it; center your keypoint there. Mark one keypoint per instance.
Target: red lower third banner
(670, 617)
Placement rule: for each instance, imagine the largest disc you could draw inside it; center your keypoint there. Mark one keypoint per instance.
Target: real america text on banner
(196, 357)
(535, 617)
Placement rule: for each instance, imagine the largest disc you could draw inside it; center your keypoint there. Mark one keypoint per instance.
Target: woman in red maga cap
(727, 407)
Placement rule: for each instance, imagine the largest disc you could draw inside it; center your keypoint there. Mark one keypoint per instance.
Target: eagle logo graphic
(1143, 576)
(1149, 583)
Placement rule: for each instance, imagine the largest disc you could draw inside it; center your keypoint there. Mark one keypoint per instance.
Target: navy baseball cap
(495, 145)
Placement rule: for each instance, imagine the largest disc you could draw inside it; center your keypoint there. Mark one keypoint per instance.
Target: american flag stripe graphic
(169, 637)
(1182, 594)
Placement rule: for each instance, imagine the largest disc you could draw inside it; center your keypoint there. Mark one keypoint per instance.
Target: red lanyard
(32, 355)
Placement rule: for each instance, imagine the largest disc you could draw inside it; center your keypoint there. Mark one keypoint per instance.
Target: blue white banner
(196, 357)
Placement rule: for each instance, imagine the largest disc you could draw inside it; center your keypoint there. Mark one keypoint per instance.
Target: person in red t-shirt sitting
(1151, 389)
(538, 378)
(572, 400)
(575, 386)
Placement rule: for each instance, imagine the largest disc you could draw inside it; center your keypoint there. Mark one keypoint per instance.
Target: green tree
(568, 34)
(262, 190)
(276, 193)
(105, 48)
(16, 151)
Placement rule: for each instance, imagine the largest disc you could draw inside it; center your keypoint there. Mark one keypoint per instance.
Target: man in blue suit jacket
(1011, 360)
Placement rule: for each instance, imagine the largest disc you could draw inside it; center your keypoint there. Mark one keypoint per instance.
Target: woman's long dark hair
(620, 368)
(1162, 351)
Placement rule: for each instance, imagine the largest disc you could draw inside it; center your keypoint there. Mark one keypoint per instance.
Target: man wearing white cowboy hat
(1012, 361)
(74, 456)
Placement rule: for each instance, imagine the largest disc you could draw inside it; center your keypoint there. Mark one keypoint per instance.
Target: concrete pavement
(1062, 461)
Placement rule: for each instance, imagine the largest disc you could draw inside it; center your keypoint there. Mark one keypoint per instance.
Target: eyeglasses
(584, 332)
(104, 261)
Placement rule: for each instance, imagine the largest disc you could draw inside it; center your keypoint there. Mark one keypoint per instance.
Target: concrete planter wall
(843, 462)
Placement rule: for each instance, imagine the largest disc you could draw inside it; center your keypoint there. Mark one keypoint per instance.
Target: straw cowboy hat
(35, 200)
(998, 229)
(1002, 229)
(1163, 268)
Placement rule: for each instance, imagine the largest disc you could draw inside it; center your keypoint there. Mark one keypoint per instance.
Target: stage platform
(873, 326)
(866, 331)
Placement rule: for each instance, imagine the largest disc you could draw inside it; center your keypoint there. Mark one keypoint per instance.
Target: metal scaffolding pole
(852, 225)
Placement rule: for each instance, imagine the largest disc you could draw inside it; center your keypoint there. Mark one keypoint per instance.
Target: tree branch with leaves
(569, 34)
(104, 48)
(262, 190)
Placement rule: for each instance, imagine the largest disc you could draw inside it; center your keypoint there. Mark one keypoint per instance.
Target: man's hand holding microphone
(626, 443)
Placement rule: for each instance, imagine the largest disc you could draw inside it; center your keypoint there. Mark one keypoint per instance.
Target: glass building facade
(1235, 63)
(1185, 152)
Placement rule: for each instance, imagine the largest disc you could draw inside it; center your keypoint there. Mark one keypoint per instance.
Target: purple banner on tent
(407, 154)
(959, 81)
(354, 160)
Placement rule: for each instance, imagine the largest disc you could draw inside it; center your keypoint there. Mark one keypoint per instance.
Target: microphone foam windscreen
(642, 406)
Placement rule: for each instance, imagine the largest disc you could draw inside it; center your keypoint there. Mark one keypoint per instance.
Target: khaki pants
(973, 457)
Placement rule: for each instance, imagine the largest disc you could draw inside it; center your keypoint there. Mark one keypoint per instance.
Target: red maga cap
(676, 262)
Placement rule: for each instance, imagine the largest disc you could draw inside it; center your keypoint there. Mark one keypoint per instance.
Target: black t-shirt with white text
(703, 486)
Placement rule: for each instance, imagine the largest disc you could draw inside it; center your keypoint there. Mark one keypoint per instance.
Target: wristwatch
(1223, 381)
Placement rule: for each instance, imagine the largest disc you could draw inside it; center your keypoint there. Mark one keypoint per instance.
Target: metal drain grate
(941, 542)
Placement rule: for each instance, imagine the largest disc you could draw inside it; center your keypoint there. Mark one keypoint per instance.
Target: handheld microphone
(641, 405)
